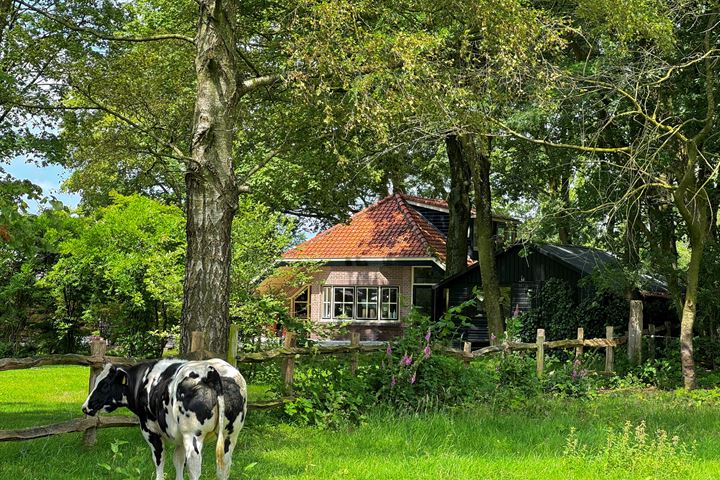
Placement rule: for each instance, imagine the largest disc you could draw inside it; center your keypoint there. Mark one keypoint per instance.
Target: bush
(329, 396)
(412, 377)
(555, 310)
(148, 344)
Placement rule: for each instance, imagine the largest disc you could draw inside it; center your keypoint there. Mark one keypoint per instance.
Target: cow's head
(110, 391)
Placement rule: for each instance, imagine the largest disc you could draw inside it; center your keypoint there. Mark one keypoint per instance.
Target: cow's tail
(213, 380)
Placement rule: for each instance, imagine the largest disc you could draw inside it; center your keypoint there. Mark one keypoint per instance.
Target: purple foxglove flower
(388, 351)
(516, 312)
(382, 364)
(426, 352)
(427, 336)
(412, 379)
(492, 337)
(407, 361)
(393, 381)
(574, 375)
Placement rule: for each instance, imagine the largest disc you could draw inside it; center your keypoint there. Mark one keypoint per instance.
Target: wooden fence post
(98, 348)
(609, 359)
(580, 337)
(467, 352)
(651, 341)
(635, 327)
(354, 342)
(288, 364)
(233, 344)
(540, 342)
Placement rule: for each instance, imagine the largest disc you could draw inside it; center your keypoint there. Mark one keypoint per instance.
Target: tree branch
(133, 124)
(252, 84)
(582, 148)
(104, 36)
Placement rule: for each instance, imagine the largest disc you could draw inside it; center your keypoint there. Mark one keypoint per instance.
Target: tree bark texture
(212, 193)
(691, 201)
(458, 206)
(479, 161)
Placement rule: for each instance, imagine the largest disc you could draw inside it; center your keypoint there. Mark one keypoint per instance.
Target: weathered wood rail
(288, 354)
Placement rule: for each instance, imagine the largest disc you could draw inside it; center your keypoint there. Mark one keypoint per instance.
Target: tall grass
(466, 443)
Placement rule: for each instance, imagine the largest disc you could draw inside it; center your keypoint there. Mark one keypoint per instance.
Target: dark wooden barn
(522, 270)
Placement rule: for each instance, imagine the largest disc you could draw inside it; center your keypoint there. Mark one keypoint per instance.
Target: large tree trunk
(479, 161)
(212, 193)
(691, 201)
(458, 206)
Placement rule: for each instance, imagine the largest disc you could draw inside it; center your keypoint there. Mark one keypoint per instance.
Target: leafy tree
(122, 273)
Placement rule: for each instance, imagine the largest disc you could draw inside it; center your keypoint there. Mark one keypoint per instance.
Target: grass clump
(631, 452)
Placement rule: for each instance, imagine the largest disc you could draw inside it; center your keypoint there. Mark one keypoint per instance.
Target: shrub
(328, 395)
(413, 377)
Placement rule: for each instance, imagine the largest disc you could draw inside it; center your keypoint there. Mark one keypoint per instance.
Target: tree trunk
(688, 315)
(458, 206)
(691, 201)
(479, 161)
(212, 193)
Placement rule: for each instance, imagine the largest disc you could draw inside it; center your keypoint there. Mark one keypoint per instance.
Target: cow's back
(182, 397)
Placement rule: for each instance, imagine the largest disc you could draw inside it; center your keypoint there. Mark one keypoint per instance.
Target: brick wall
(392, 276)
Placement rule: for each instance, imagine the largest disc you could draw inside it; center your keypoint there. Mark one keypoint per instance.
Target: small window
(367, 303)
(327, 302)
(300, 304)
(426, 276)
(344, 301)
(389, 303)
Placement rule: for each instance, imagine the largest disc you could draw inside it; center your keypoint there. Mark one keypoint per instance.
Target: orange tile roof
(389, 228)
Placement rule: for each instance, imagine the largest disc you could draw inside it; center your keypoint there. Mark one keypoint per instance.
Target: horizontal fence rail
(288, 354)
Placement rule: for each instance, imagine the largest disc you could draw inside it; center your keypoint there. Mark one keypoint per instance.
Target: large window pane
(367, 307)
(344, 302)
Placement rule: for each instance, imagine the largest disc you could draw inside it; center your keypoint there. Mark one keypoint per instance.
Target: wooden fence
(288, 353)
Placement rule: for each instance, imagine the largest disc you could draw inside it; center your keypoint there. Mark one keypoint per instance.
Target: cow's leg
(193, 454)
(158, 452)
(223, 471)
(179, 461)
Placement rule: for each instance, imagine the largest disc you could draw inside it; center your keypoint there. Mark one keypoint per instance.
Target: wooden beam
(69, 426)
(67, 359)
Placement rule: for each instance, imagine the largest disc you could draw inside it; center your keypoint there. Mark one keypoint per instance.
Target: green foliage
(556, 310)
(413, 377)
(630, 452)
(124, 465)
(328, 396)
(122, 273)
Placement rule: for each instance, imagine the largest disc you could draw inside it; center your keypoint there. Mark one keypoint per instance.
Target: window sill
(350, 321)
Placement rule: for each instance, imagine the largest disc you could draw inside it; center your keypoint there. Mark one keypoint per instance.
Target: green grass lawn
(469, 443)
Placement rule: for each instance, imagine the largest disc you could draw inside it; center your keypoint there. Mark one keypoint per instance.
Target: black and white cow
(178, 402)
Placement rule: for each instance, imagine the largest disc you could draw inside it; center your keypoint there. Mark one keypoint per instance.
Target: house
(522, 270)
(373, 268)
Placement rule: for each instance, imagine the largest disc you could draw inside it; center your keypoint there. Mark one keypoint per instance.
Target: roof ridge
(329, 230)
(400, 199)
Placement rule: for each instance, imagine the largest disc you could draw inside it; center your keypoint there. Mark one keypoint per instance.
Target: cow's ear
(121, 375)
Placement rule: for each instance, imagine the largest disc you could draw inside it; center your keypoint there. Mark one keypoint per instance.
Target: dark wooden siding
(440, 220)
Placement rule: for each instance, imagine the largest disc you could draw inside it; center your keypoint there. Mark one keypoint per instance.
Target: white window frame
(354, 297)
(414, 284)
(367, 303)
(389, 302)
(327, 303)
